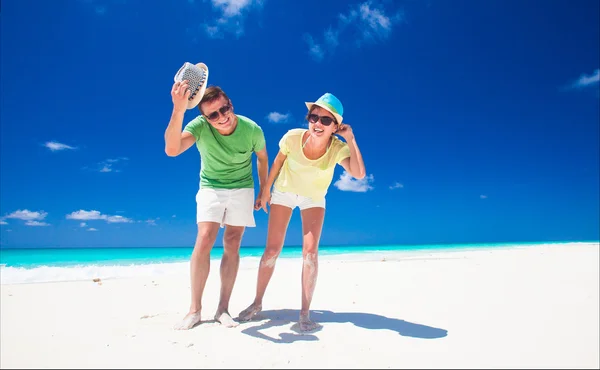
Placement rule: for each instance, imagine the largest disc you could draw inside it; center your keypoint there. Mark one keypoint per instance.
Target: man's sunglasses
(325, 120)
(223, 110)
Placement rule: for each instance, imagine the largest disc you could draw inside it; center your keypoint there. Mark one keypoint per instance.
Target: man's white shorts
(292, 200)
(233, 207)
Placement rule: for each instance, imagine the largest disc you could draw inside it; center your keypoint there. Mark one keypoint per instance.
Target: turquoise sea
(63, 257)
(76, 264)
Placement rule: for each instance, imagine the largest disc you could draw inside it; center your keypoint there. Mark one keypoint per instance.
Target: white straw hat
(197, 77)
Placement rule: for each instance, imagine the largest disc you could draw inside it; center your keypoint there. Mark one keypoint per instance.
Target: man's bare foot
(225, 319)
(189, 321)
(250, 312)
(306, 324)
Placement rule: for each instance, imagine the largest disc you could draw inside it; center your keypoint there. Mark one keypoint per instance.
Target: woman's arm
(354, 165)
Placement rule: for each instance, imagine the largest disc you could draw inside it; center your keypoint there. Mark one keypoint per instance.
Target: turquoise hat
(331, 103)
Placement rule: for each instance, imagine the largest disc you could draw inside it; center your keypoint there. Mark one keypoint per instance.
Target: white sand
(518, 307)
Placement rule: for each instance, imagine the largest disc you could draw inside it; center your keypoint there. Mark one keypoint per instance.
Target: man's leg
(279, 218)
(232, 239)
(312, 225)
(199, 269)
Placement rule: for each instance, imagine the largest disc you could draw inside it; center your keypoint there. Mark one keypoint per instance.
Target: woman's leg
(279, 219)
(312, 225)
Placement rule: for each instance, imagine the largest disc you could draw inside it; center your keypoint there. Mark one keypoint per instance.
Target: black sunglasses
(325, 120)
(223, 110)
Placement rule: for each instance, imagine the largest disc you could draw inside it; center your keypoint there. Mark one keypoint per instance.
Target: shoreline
(109, 271)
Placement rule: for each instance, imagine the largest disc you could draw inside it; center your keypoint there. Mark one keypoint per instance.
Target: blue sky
(478, 120)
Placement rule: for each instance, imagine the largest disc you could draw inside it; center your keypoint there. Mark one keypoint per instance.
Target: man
(225, 197)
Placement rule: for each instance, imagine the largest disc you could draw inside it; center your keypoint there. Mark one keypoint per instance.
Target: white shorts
(292, 200)
(234, 207)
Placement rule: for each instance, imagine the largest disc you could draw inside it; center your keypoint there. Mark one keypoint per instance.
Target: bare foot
(189, 321)
(249, 312)
(306, 324)
(225, 319)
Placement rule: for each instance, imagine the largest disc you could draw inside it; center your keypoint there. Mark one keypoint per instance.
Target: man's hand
(345, 131)
(263, 198)
(180, 94)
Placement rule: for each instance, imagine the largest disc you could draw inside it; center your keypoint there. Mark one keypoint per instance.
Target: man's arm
(176, 141)
(262, 164)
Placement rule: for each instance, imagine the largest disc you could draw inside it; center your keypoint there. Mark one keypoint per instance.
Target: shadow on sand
(364, 320)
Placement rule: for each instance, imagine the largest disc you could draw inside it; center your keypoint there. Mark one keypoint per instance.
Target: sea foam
(50, 274)
(46, 274)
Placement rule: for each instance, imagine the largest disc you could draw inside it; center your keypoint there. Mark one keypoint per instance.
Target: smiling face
(219, 114)
(318, 118)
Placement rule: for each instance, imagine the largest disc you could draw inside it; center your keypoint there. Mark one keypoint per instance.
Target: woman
(301, 174)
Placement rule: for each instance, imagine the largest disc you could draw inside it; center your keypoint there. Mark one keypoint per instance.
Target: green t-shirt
(226, 161)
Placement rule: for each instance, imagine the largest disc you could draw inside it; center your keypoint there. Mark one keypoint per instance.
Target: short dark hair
(211, 94)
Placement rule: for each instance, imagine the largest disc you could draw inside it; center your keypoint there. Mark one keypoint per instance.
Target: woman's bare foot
(189, 321)
(250, 312)
(306, 324)
(225, 319)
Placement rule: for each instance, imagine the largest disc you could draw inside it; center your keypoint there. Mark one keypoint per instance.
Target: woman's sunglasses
(223, 110)
(325, 120)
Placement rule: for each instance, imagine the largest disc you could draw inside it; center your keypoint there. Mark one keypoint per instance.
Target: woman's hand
(345, 131)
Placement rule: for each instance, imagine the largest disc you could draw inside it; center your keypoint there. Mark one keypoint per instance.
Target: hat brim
(338, 118)
(196, 99)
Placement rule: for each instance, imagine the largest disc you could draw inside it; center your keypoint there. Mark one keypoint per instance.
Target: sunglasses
(325, 120)
(223, 110)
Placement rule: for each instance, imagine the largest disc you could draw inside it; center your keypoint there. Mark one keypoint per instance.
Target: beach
(515, 307)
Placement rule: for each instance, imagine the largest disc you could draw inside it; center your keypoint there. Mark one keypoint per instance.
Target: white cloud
(332, 38)
(111, 164)
(230, 18)
(36, 223)
(27, 215)
(85, 215)
(587, 80)
(315, 50)
(96, 215)
(483, 196)
(367, 22)
(233, 8)
(92, 229)
(349, 183)
(396, 185)
(276, 117)
(56, 146)
(31, 218)
(83, 224)
(117, 160)
(100, 7)
(117, 219)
